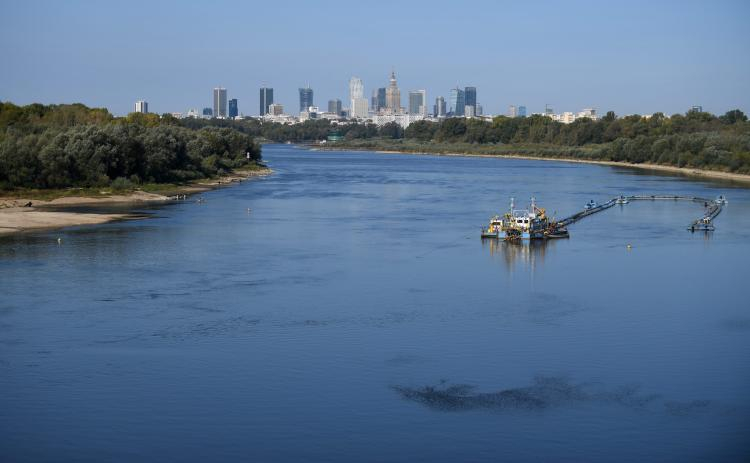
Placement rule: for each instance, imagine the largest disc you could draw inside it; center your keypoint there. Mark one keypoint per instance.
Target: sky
(631, 57)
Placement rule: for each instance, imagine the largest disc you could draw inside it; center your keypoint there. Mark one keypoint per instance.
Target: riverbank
(444, 150)
(26, 211)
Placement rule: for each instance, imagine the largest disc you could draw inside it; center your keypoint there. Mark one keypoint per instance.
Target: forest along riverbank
(23, 214)
(688, 171)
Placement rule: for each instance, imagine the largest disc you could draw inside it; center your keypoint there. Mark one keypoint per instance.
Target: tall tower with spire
(393, 96)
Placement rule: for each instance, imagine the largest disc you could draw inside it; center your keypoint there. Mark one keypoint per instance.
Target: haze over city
(633, 57)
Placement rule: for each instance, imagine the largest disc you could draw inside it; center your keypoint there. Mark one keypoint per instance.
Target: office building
(512, 111)
(266, 100)
(418, 102)
(378, 99)
(141, 106)
(696, 109)
(356, 88)
(439, 109)
(522, 111)
(208, 112)
(220, 102)
(393, 96)
(305, 98)
(275, 109)
(469, 111)
(359, 109)
(334, 106)
(478, 110)
(233, 108)
(456, 102)
(470, 96)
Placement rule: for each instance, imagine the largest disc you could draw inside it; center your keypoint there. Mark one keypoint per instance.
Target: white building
(141, 106)
(402, 119)
(360, 108)
(275, 109)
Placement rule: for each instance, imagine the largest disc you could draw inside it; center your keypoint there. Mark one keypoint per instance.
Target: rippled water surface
(354, 314)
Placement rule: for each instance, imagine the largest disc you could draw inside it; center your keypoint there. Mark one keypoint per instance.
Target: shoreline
(16, 217)
(687, 171)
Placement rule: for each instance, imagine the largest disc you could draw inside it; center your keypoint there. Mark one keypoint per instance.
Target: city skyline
(679, 55)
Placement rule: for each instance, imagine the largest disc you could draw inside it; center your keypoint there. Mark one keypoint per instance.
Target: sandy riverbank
(16, 217)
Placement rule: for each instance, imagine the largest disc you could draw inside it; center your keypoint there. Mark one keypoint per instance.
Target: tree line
(695, 139)
(57, 146)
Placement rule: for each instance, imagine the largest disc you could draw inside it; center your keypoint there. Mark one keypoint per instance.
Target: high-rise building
(418, 102)
(275, 109)
(470, 111)
(233, 108)
(380, 103)
(220, 102)
(334, 106)
(456, 102)
(478, 110)
(393, 96)
(696, 109)
(208, 112)
(266, 100)
(512, 111)
(522, 111)
(439, 109)
(357, 101)
(356, 88)
(305, 98)
(470, 96)
(141, 106)
(359, 109)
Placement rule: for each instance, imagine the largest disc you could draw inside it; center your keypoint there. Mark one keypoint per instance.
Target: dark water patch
(211, 328)
(543, 393)
(550, 309)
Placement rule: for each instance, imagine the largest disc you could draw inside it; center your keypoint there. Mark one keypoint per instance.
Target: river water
(346, 309)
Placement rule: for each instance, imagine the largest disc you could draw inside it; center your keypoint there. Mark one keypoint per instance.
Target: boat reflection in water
(526, 253)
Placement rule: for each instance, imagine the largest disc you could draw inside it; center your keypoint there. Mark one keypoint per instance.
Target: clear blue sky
(630, 57)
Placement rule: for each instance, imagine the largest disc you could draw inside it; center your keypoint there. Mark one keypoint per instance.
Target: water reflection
(527, 253)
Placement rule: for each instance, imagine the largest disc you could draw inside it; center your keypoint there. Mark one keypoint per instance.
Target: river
(346, 309)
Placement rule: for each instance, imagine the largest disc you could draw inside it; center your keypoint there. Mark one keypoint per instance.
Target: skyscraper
(141, 106)
(418, 102)
(356, 88)
(305, 98)
(378, 99)
(334, 106)
(456, 102)
(220, 102)
(522, 111)
(357, 101)
(266, 100)
(393, 96)
(470, 96)
(439, 110)
(512, 111)
(233, 108)
(208, 112)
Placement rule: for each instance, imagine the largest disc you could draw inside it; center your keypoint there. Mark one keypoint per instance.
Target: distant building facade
(393, 96)
(522, 111)
(233, 112)
(275, 109)
(220, 102)
(266, 100)
(357, 102)
(439, 108)
(418, 102)
(456, 102)
(141, 106)
(334, 106)
(470, 99)
(208, 112)
(305, 98)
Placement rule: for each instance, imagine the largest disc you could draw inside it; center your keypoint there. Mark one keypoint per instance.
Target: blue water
(354, 314)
